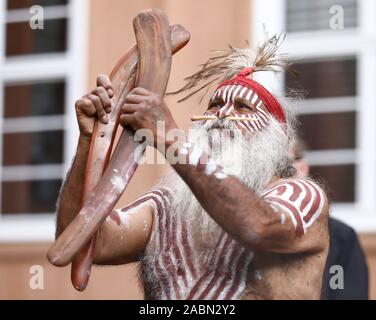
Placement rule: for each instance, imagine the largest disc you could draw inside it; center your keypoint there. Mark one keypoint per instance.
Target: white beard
(253, 158)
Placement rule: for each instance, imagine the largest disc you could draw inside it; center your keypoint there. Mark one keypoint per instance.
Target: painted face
(241, 102)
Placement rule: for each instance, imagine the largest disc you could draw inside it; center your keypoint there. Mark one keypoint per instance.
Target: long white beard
(253, 158)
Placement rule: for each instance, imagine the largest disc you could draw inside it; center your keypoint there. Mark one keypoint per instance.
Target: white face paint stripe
(238, 88)
(249, 126)
(232, 94)
(262, 120)
(253, 123)
(224, 98)
(263, 113)
(227, 108)
(249, 95)
(224, 93)
(219, 92)
(243, 92)
(257, 122)
(243, 125)
(254, 99)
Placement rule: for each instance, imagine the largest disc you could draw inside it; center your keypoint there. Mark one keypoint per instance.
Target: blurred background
(43, 72)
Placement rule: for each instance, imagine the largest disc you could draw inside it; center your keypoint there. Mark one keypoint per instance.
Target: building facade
(43, 72)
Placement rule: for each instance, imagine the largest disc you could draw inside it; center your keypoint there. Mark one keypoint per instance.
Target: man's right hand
(95, 105)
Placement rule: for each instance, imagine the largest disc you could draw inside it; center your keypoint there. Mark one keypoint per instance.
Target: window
(329, 133)
(41, 76)
(337, 70)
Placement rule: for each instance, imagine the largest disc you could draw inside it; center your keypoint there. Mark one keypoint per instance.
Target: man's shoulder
(294, 182)
(303, 199)
(297, 187)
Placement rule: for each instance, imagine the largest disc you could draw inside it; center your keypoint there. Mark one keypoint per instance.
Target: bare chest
(175, 267)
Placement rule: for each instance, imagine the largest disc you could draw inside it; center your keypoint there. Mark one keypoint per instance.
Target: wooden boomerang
(122, 80)
(153, 41)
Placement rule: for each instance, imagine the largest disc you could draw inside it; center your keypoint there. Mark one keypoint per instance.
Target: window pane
(324, 79)
(30, 196)
(308, 15)
(37, 99)
(328, 130)
(33, 148)
(339, 179)
(21, 39)
(19, 4)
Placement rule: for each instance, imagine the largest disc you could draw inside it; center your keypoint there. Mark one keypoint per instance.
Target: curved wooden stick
(153, 40)
(122, 78)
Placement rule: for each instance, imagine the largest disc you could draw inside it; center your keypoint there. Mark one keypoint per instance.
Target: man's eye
(241, 105)
(214, 105)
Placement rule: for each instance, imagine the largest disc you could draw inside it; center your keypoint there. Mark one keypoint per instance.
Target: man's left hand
(143, 110)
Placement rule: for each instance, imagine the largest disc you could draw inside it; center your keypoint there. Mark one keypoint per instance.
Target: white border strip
(328, 105)
(36, 172)
(33, 124)
(49, 13)
(331, 157)
(27, 228)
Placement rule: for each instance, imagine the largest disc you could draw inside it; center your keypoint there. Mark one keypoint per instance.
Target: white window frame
(361, 43)
(71, 66)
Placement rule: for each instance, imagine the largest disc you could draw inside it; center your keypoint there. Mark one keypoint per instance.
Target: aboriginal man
(231, 221)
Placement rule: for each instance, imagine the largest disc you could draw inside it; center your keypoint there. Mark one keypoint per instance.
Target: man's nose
(223, 112)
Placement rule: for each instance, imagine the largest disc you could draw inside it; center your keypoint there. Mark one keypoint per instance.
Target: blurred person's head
(297, 154)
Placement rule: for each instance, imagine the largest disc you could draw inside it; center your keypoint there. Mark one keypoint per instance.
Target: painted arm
(270, 223)
(124, 235)
(69, 202)
(96, 104)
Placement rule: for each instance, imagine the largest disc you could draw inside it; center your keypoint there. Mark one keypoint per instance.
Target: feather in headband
(228, 63)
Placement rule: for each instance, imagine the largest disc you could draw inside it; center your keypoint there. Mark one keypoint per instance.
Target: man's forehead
(230, 92)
